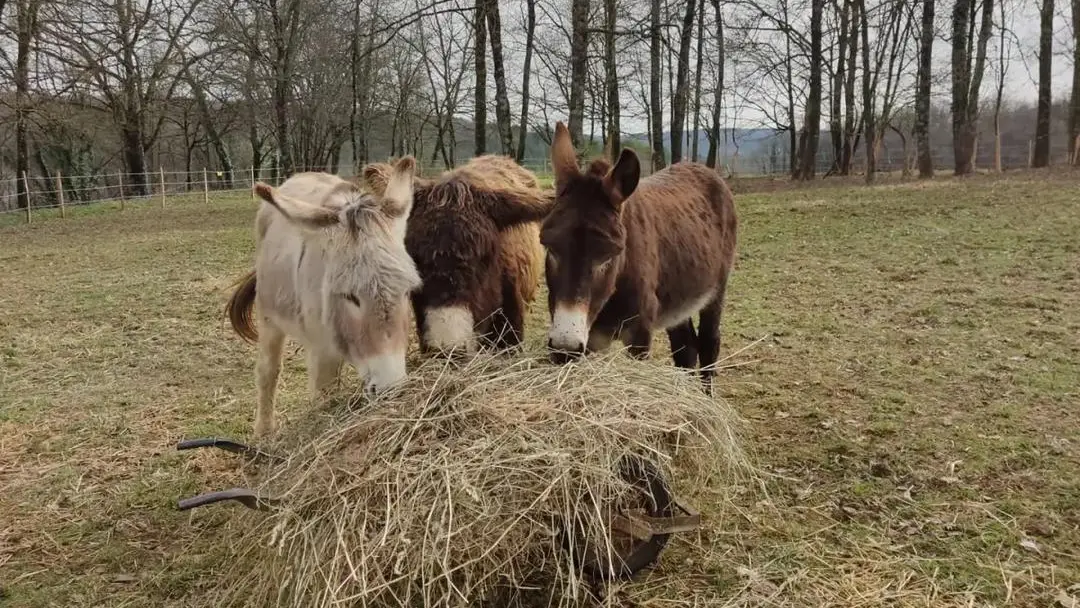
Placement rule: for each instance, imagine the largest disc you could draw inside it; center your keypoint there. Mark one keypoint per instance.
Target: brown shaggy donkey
(629, 257)
(332, 272)
(475, 237)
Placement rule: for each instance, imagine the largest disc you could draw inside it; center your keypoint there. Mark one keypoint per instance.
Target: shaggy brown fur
(475, 236)
(629, 257)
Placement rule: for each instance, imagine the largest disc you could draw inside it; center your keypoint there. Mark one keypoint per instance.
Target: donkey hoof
(265, 428)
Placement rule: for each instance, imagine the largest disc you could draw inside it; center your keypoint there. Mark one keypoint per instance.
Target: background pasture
(912, 409)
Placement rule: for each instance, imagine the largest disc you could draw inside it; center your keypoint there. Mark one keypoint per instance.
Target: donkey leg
(267, 369)
(640, 341)
(684, 347)
(323, 369)
(708, 337)
(508, 326)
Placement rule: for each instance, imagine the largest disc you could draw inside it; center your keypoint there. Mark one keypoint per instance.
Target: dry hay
(451, 490)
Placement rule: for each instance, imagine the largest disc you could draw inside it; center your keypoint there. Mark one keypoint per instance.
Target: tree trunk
(922, 92)
(251, 111)
(697, 82)
(26, 12)
(212, 134)
(967, 79)
(869, 139)
(502, 101)
(836, 128)
(808, 161)
(1074, 100)
(678, 108)
(905, 171)
(579, 61)
(480, 59)
(656, 110)
(611, 77)
(718, 93)
(1002, 69)
(530, 30)
(1042, 120)
(850, 135)
(793, 143)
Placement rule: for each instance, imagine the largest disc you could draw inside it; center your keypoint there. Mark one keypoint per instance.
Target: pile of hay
(454, 489)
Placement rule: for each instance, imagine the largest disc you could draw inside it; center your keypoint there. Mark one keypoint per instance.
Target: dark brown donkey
(627, 257)
(475, 236)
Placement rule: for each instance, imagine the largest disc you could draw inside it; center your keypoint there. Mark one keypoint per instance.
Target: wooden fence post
(121, 175)
(1031, 153)
(162, 170)
(253, 197)
(26, 184)
(205, 187)
(60, 192)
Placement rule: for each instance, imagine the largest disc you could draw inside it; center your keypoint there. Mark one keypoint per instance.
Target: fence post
(253, 197)
(162, 171)
(60, 193)
(205, 187)
(1031, 153)
(121, 176)
(26, 185)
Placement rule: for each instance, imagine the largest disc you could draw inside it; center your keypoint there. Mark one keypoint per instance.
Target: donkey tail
(239, 308)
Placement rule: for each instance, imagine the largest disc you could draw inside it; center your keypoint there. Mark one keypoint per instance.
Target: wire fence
(60, 192)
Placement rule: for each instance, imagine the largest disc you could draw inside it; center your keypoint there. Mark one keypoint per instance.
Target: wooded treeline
(96, 86)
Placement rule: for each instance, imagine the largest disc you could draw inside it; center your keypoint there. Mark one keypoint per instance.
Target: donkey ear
(376, 176)
(300, 213)
(398, 194)
(563, 157)
(511, 207)
(623, 178)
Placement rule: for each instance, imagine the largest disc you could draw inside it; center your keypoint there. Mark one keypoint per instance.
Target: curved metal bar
(229, 446)
(243, 496)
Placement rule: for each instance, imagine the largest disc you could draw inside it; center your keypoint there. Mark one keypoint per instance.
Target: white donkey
(331, 272)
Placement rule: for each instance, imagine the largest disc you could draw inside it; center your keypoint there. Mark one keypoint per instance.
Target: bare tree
(142, 44)
(26, 31)
(678, 108)
(656, 111)
(446, 72)
(1003, 68)
(480, 97)
(922, 91)
(868, 91)
(836, 92)
(1041, 156)
(361, 64)
(967, 74)
(502, 102)
(611, 80)
(530, 32)
(699, 61)
(808, 160)
(718, 90)
(1074, 99)
(579, 62)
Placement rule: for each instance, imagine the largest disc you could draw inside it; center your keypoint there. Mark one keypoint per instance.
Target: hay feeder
(638, 533)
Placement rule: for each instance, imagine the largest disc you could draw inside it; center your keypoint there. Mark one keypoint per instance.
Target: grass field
(914, 408)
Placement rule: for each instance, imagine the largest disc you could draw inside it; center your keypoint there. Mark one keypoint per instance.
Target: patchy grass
(912, 408)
